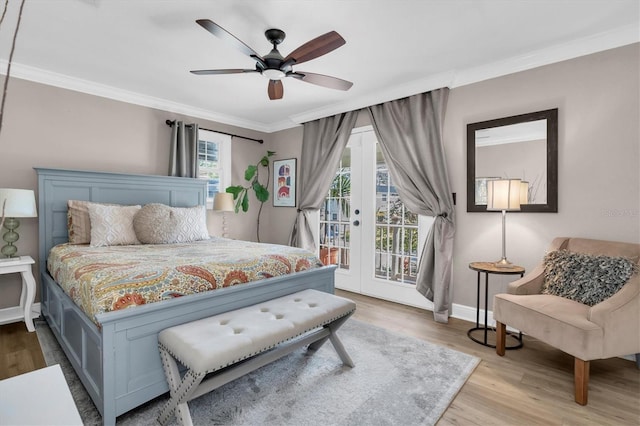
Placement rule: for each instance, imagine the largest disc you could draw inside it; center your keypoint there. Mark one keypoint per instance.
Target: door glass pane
(396, 243)
(334, 217)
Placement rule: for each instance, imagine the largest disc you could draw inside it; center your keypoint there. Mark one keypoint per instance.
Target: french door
(365, 229)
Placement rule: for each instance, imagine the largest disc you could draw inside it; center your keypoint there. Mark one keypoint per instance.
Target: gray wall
(599, 159)
(46, 126)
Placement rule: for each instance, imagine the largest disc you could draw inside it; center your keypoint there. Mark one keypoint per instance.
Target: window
(214, 162)
(396, 252)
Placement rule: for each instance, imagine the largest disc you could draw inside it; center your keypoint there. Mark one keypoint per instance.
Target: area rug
(397, 380)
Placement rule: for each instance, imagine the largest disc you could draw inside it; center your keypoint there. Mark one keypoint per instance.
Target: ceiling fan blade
(228, 71)
(317, 47)
(275, 89)
(322, 80)
(225, 35)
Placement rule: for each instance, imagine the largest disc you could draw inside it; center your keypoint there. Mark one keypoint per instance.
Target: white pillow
(112, 225)
(192, 224)
(78, 221)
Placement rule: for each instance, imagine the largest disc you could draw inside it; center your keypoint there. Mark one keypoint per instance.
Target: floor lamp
(503, 195)
(223, 202)
(15, 203)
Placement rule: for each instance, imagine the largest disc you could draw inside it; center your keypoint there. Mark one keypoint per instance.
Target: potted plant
(252, 176)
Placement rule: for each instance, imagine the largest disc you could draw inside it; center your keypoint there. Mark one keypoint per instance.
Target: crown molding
(585, 46)
(598, 42)
(50, 78)
(618, 37)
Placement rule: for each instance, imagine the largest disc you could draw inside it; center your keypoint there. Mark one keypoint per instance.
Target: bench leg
(342, 352)
(335, 341)
(180, 390)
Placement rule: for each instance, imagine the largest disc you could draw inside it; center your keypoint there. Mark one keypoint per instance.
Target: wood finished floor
(529, 386)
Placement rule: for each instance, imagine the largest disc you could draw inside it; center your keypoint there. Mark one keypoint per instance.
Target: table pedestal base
(485, 341)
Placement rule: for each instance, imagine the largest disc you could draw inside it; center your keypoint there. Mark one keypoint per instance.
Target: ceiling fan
(276, 67)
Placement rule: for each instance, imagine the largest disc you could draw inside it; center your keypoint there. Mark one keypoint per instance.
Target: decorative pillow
(192, 224)
(78, 222)
(156, 224)
(112, 225)
(585, 278)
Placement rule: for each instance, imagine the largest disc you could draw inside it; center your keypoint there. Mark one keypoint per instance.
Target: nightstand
(21, 265)
(490, 268)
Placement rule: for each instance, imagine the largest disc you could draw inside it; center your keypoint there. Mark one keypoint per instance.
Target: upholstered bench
(243, 340)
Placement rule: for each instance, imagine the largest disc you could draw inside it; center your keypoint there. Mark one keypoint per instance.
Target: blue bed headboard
(56, 187)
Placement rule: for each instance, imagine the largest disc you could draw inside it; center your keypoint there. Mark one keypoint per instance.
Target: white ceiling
(141, 51)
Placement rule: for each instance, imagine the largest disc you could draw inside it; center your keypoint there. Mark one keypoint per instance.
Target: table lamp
(524, 192)
(15, 203)
(223, 202)
(504, 195)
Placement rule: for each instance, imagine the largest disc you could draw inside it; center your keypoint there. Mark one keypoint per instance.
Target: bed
(115, 353)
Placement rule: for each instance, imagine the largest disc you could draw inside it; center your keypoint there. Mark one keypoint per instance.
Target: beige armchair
(608, 329)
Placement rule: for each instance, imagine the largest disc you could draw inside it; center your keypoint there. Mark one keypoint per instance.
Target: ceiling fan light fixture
(273, 66)
(273, 74)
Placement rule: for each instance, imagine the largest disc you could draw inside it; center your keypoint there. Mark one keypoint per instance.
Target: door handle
(356, 223)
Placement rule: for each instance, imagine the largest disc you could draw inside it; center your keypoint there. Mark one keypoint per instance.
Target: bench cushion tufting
(216, 342)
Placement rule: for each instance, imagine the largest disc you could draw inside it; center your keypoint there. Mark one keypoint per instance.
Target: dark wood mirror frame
(551, 116)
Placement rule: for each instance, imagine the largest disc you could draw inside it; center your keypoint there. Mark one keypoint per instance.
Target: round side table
(491, 268)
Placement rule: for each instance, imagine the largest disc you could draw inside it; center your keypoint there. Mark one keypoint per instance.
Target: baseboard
(468, 313)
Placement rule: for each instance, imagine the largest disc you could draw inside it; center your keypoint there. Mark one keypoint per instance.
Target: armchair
(607, 329)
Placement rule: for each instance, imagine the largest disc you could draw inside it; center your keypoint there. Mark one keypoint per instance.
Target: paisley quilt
(104, 279)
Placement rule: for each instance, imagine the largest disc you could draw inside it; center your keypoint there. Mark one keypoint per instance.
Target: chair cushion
(585, 278)
(555, 320)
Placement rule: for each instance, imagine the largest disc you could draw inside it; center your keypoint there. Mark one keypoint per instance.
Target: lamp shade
(524, 192)
(19, 202)
(503, 194)
(223, 201)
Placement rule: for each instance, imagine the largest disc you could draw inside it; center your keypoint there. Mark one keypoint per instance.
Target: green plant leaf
(264, 161)
(235, 190)
(262, 193)
(245, 201)
(271, 153)
(238, 199)
(250, 172)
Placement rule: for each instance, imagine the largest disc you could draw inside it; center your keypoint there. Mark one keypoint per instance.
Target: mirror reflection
(519, 147)
(517, 151)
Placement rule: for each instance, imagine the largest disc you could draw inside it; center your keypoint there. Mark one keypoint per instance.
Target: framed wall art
(284, 183)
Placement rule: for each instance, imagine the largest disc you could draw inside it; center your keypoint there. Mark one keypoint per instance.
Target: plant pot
(329, 256)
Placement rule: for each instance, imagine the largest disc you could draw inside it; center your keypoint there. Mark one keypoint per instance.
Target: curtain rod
(170, 123)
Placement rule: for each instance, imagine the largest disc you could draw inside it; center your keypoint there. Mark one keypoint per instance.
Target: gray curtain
(410, 134)
(322, 145)
(183, 157)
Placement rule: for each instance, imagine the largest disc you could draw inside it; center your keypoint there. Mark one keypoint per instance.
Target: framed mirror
(519, 147)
